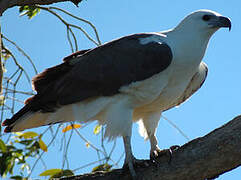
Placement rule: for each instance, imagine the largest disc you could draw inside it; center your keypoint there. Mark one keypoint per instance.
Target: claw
(158, 153)
(165, 152)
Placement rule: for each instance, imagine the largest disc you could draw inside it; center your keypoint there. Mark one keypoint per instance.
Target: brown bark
(202, 158)
(5, 4)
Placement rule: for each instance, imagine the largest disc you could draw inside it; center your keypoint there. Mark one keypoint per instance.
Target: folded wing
(195, 84)
(97, 72)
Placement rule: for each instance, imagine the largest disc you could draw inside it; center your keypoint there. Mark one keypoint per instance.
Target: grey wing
(195, 84)
(96, 72)
(103, 70)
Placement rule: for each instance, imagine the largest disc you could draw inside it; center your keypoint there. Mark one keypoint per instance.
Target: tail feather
(27, 118)
(22, 114)
(16, 116)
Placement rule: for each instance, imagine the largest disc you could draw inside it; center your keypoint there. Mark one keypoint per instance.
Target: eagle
(131, 79)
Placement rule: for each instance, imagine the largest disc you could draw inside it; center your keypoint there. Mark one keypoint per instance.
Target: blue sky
(217, 102)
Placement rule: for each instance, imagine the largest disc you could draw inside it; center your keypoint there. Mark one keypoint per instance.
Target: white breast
(172, 91)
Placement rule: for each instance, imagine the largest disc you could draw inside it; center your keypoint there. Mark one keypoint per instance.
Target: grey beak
(224, 22)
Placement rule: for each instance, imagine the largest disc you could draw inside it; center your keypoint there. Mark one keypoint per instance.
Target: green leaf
(97, 129)
(2, 100)
(102, 167)
(42, 145)
(3, 147)
(57, 173)
(63, 173)
(50, 172)
(18, 133)
(29, 135)
(30, 11)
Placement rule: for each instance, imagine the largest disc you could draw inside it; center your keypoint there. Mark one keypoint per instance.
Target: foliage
(21, 147)
(102, 167)
(97, 129)
(30, 11)
(57, 173)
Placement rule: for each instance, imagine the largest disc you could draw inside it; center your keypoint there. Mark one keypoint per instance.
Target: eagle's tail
(25, 118)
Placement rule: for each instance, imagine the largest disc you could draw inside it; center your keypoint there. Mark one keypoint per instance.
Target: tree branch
(202, 158)
(5, 4)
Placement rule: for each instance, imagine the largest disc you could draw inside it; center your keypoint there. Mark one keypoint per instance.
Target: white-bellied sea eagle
(133, 78)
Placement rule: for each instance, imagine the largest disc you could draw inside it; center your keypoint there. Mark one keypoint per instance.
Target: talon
(158, 152)
(165, 152)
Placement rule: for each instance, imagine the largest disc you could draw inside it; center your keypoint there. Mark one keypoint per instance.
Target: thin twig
(85, 140)
(17, 91)
(68, 24)
(177, 128)
(40, 156)
(17, 64)
(89, 164)
(69, 40)
(22, 51)
(81, 19)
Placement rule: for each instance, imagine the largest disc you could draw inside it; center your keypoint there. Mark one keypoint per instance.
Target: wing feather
(96, 72)
(103, 70)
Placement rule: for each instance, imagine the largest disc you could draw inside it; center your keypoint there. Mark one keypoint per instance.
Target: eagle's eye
(206, 17)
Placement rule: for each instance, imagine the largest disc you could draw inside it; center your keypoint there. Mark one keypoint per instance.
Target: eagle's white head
(204, 22)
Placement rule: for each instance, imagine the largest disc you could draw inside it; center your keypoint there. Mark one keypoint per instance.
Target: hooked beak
(220, 22)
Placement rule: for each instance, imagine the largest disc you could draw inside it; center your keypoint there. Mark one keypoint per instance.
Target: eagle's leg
(129, 158)
(156, 151)
(150, 123)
